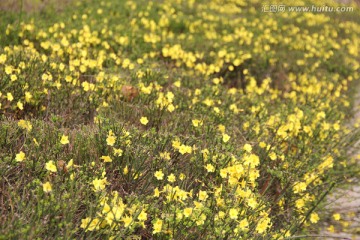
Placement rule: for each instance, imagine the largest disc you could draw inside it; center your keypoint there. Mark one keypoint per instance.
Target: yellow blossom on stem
(20, 156)
(314, 218)
(50, 166)
(64, 140)
(336, 216)
(106, 158)
(187, 212)
(247, 147)
(225, 138)
(144, 120)
(47, 187)
(111, 139)
(90, 225)
(99, 184)
(233, 213)
(159, 175)
(171, 178)
(127, 221)
(157, 226)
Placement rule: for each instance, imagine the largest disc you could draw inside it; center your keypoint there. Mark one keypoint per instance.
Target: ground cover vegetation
(176, 119)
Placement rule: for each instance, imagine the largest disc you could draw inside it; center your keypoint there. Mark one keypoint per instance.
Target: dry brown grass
(31, 6)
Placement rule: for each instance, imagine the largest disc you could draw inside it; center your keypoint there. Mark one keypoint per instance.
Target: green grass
(247, 119)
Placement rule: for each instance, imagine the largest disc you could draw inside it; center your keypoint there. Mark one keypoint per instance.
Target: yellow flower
(243, 224)
(203, 195)
(159, 175)
(106, 159)
(28, 97)
(252, 202)
(157, 226)
(90, 225)
(225, 138)
(111, 139)
(8, 69)
(165, 155)
(64, 140)
(47, 187)
(176, 144)
(142, 216)
(50, 166)
(299, 187)
(99, 184)
(247, 147)
(25, 125)
(144, 120)
(171, 178)
(210, 168)
(20, 156)
(221, 128)
(126, 170)
(70, 163)
(36, 142)
(182, 176)
(197, 122)
(188, 212)
(171, 108)
(233, 213)
(118, 152)
(185, 149)
(262, 225)
(262, 144)
(314, 218)
(9, 97)
(336, 216)
(2, 58)
(156, 192)
(13, 77)
(299, 203)
(272, 156)
(127, 220)
(221, 215)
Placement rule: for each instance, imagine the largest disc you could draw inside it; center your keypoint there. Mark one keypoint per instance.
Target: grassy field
(176, 119)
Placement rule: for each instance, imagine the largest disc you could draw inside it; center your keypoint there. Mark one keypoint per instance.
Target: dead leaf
(129, 92)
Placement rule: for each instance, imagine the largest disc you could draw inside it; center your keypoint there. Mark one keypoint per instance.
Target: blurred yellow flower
(144, 120)
(99, 184)
(47, 187)
(247, 147)
(159, 175)
(50, 166)
(233, 213)
(64, 139)
(225, 138)
(142, 216)
(157, 226)
(90, 225)
(25, 125)
(20, 156)
(188, 212)
(171, 178)
(336, 216)
(111, 139)
(314, 218)
(106, 158)
(9, 97)
(127, 221)
(197, 122)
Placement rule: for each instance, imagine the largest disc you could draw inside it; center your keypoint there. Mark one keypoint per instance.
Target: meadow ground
(177, 119)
